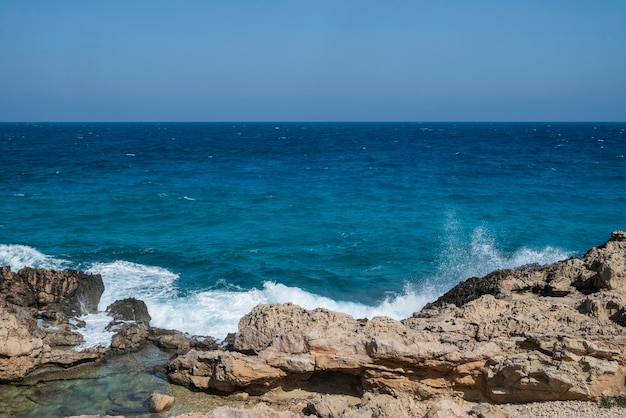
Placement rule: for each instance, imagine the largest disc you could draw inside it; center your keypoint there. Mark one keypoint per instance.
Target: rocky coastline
(493, 346)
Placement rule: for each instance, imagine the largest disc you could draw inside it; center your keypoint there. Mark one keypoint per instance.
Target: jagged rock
(73, 291)
(260, 327)
(16, 339)
(130, 309)
(534, 377)
(35, 305)
(608, 262)
(62, 335)
(386, 406)
(176, 341)
(223, 371)
(129, 338)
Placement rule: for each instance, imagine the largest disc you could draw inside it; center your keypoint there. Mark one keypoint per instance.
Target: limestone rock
(74, 292)
(260, 327)
(329, 406)
(35, 305)
(16, 338)
(176, 341)
(130, 309)
(159, 402)
(222, 371)
(519, 335)
(129, 338)
(446, 408)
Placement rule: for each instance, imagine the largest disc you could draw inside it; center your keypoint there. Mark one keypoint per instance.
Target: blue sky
(165, 60)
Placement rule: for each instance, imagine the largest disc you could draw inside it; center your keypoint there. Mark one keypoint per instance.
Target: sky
(419, 60)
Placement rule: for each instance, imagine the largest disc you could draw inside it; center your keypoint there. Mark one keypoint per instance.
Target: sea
(203, 221)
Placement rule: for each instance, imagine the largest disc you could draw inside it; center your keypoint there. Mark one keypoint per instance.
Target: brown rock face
(130, 309)
(34, 307)
(71, 292)
(530, 334)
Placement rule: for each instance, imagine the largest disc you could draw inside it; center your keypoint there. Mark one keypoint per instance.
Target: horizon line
(310, 121)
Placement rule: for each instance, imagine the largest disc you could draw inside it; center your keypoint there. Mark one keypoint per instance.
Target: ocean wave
(216, 312)
(18, 256)
(124, 279)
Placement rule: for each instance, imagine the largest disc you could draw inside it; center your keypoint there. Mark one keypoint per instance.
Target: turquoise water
(121, 385)
(203, 221)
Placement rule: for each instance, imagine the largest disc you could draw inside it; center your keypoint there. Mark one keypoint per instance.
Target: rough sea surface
(205, 220)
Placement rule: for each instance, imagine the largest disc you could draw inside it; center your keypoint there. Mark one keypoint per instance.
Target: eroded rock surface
(530, 334)
(35, 305)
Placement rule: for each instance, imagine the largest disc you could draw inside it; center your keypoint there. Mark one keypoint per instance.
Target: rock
(159, 402)
(35, 307)
(74, 292)
(129, 338)
(485, 410)
(63, 335)
(386, 406)
(16, 339)
(530, 334)
(239, 396)
(176, 341)
(223, 371)
(329, 406)
(260, 327)
(446, 409)
(130, 309)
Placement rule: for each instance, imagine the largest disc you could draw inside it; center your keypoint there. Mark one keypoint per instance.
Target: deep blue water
(203, 221)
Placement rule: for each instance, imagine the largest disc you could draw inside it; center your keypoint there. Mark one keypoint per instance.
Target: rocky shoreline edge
(491, 346)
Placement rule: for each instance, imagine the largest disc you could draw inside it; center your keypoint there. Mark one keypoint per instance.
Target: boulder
(159, 402)
(446, 408)
(130, 309)
(129, 337)
(327, 406)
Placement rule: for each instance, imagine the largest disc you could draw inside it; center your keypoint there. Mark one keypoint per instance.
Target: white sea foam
(480, 255)
(94, 332)
(19, 256)
(217, 312)
(123, 279)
